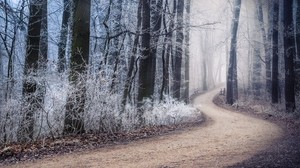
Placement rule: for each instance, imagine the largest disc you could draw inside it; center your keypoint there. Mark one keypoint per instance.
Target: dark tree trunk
(74, 122)
(43, 56)
(129, 76)
(178, 51)
(163, 57)
(156, 20)
(231, 95)
(32, 103)
(168, 50)
(117, 27)
(275, 82)
(1, 63)
(289, 55)
(63, 37)
(146, 71)
(43, 51)
(297, 63)
(1, 67)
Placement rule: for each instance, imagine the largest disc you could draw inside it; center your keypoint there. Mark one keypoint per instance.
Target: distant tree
(231, 95)
(257, 68)
(8, 38)
(275, 25)
(204, 80)
(62, 45)
(178, 51)
(187, 52)
(204, 62)
(30, 85)
(266, 44)
(74, 122)
(289, 55)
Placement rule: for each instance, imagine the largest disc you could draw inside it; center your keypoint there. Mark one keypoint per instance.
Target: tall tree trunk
(163, 57)
(10, 66)
(249, 59)
(63, 37)
(231, 95)
(187, 52)
(129, 76)
(74, 122)
(289, 55)
(156, 20)
(43, 54)
(8, 38)
(32, 103)
(168, 50)
(297, 62)
(43, 51)
(1, 68)
(256, 76)
(146, 71)
(178, 50)
(266, 43)
(117, 42)
(275, 81)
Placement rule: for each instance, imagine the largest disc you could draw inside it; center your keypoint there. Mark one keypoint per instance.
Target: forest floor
(285, 151)
(226, 138)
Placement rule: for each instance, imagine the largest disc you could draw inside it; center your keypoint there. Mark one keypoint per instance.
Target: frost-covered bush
(52, 116)
(103, 110)
(102, 107)
(169, 112)
(10, 117)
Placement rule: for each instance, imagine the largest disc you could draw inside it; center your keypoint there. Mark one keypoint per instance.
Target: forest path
(226, 138)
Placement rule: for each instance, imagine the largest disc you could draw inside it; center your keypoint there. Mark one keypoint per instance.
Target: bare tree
(231, 95)
(78, 64)
(133, 58)
(266, 43)
(289, 55)
(63, 36)
(167, 50)
(156, 22)
(146, 71)
(9, 37)
(30, 85)
(118, 42)
(257, 68)
(187, 51)
(275, 82)
(178, 51)
(297, 37)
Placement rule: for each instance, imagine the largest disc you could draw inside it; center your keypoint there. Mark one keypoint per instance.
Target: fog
(210, 41)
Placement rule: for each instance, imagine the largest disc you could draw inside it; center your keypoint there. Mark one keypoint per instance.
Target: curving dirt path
(226, 138)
